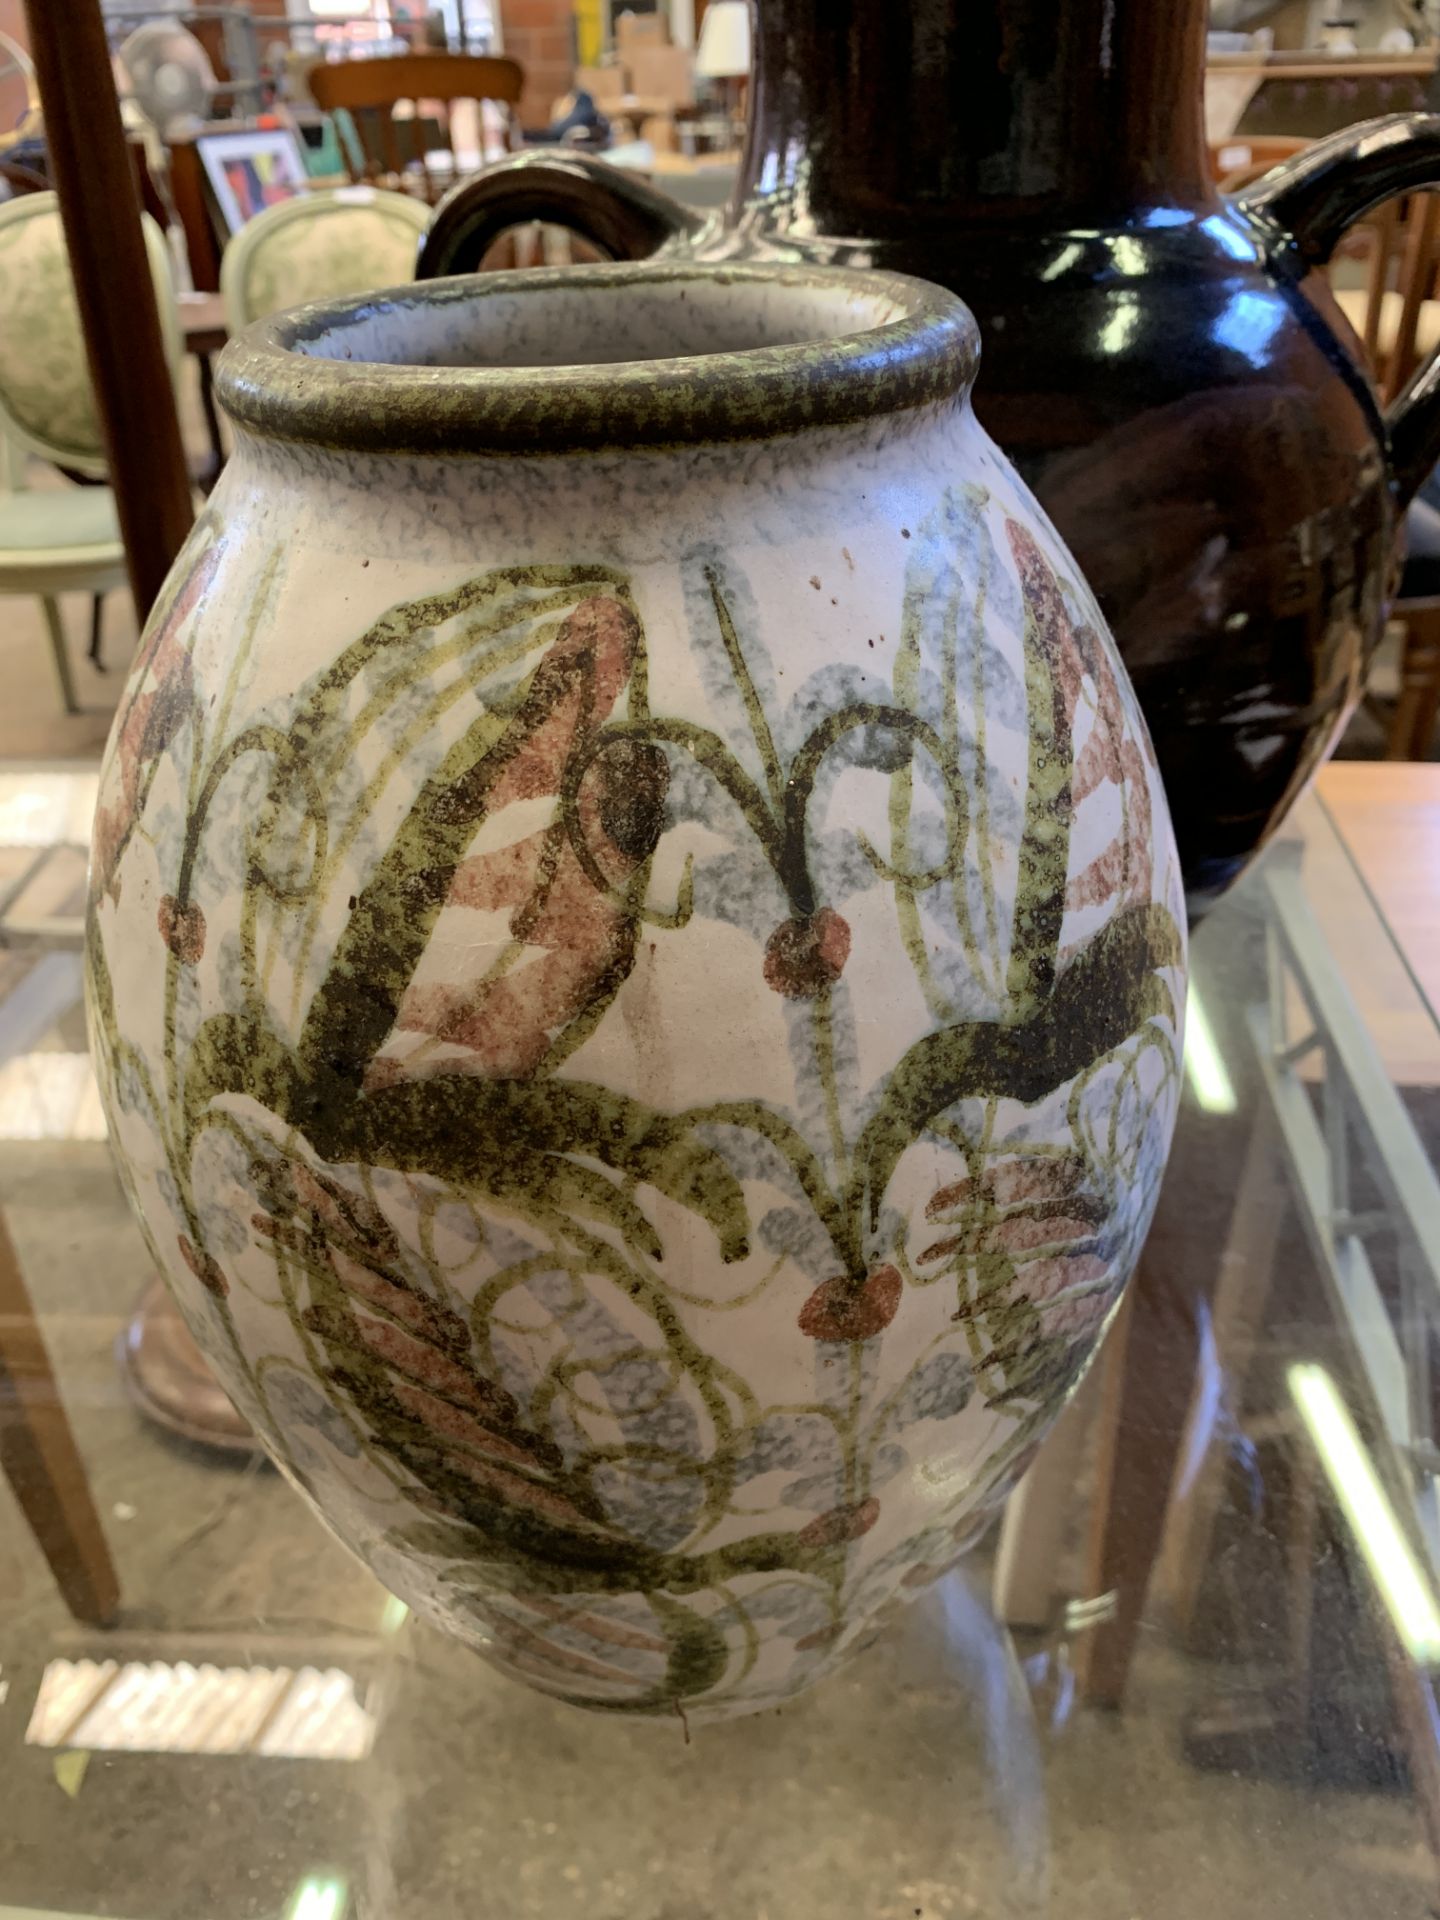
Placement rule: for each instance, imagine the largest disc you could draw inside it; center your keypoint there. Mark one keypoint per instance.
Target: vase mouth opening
(574, 359)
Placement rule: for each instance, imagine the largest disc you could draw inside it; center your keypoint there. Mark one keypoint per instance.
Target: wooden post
(39, 1458)
(100, 207)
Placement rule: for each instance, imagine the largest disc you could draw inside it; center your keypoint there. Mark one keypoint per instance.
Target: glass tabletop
(1189, 1673)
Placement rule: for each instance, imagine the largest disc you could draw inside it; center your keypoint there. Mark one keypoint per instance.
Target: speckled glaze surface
(636, 959)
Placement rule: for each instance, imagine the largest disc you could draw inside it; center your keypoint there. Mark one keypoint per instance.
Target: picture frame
(248, 169)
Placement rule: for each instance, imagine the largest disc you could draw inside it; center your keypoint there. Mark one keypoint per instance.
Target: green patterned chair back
(47, 405)
(319, 246)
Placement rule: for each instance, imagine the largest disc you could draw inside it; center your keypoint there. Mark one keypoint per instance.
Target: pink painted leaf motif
(403, 1359)
(205, 1269)
(182, 929)
(838, 1310)
(840, 1525)
(1114, 752)
(159, 698)
(553, 928)
(1026, 1245)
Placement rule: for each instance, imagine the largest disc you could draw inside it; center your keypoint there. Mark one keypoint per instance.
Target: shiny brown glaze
(1166, 368)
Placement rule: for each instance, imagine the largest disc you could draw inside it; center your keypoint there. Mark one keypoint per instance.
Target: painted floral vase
(636, 958)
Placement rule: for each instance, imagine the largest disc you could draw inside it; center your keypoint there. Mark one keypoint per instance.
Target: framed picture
(249, 169)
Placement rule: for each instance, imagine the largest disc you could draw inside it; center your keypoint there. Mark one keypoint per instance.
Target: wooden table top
(202, 319)
(1377, 857)
(1335, 66)
(1388, 814)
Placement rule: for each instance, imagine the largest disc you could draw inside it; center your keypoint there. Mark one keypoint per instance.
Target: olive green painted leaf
(242, 1053)
(487, 1134)
(493, 605)
(1103, 997)
(574, 1189)
(509, 750)
(504, 1137)
(696, 1658)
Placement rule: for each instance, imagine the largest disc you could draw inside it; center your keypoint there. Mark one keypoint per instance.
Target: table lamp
(723, 52)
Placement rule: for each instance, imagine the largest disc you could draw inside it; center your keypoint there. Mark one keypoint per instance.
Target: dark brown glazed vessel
(1166, 367)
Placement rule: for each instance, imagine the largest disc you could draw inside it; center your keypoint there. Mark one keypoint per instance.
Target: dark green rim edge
(926, 356)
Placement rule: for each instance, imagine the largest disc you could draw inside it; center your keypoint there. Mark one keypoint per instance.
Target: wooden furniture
(1417, 707)
(1389, 819)
(202, 321)
(41, 1461)
(1290, 94)
(125, 339)
(15, 180)
(41, 906)
(1396, 313)
(192, 210)
(281, 258)
(1372, 856)
(66, 538)
(318, 248)
(1397, 316)
(1348, 1052)
(1235, 162)
(394, 142)
(130, 358)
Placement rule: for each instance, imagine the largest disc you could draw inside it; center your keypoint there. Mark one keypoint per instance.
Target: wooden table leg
(1247, 1267)
(100, 209)
(40, 1459)
(1039, 1519)
(1412, 727)
(1185, 1286)
(1149, 1365)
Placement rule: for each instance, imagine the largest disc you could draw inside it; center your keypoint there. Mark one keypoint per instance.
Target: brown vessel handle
(618, 212)
(1315, 197)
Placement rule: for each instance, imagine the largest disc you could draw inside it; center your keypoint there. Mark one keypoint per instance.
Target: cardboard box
(635, 30)
(606, 86)
(663, 73)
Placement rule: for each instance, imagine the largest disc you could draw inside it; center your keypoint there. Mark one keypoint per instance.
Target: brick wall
(540, 35)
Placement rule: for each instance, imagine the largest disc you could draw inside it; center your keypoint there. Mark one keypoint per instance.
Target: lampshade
(724, 49)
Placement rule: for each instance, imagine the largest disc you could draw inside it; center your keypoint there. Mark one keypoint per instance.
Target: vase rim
(329, 374)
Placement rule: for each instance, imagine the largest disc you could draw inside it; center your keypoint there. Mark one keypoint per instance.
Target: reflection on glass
(318, 1897)
(159, 1707)
(1394, 1566)
(39, 809)
(50, 1096)
(982, 1659)
(1204, 1067)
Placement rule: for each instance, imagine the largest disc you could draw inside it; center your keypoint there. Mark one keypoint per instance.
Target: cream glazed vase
(636, 958)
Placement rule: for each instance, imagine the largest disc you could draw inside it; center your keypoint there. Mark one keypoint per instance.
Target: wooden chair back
(47, 404)
(318, 247)
(393, 145)
(1235, 162)
(15, 180)
(1398, 318)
